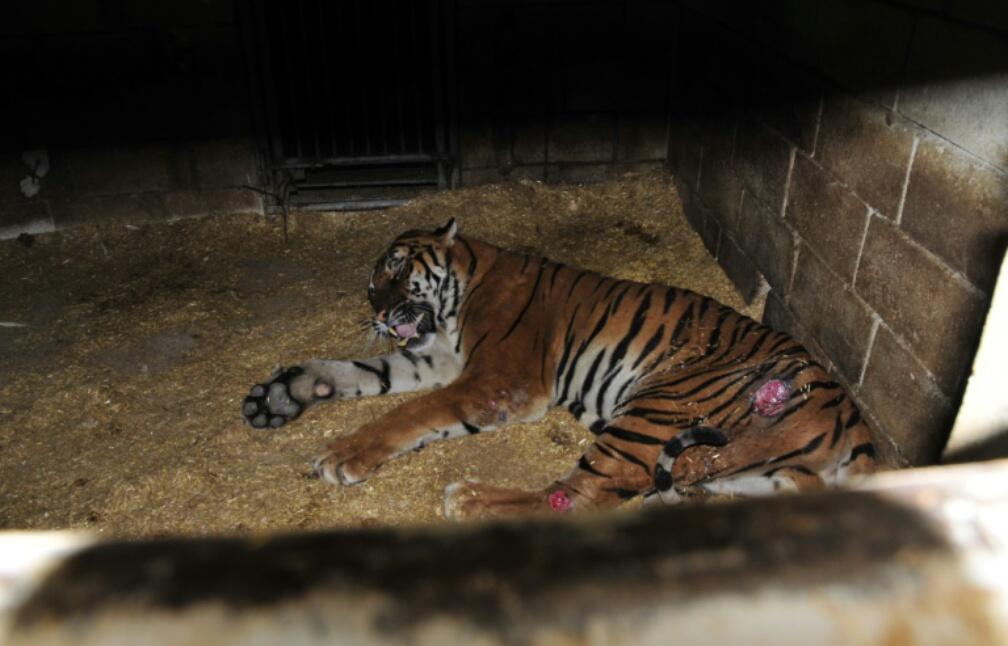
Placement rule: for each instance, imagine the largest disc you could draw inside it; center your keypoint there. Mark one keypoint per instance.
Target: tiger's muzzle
(409, 324)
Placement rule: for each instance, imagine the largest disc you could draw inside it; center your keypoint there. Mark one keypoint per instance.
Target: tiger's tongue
(406, 330)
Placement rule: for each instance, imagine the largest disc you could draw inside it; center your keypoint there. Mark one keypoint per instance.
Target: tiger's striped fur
(652, 370)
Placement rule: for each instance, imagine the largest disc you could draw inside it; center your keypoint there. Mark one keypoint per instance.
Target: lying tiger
(502, 337)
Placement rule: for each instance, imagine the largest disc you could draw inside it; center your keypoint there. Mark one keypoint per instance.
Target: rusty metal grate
(353, 99)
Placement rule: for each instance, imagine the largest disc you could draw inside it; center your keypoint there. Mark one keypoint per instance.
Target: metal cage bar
(362, 84)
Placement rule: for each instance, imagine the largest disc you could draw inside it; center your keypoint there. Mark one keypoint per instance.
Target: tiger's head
(406, 284)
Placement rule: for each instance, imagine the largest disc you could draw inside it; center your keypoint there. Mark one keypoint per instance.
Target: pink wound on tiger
(770, 398)
(559, 501)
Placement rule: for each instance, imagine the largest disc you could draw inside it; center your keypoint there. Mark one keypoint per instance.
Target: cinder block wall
(142, 107)
(853, 157)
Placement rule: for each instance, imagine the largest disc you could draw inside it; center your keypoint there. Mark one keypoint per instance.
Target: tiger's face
(405, 283)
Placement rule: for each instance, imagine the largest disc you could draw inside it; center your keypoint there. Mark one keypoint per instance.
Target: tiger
(684, 396)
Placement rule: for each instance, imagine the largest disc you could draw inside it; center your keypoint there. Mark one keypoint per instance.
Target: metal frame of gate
(369, 128)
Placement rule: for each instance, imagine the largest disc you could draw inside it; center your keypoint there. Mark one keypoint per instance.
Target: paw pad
(271, 404)
(322, 390)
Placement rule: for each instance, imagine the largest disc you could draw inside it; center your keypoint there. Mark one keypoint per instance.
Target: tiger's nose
(380, 316)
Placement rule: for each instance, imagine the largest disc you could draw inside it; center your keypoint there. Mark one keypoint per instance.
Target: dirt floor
(120, 388)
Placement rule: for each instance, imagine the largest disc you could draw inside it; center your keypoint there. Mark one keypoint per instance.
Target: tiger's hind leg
(784, 413)
(762, 462)
(472, 500)
(665, 485)
(617, 467)
(693, 478)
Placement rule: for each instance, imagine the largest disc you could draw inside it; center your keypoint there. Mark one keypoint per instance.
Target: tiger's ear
(447, 232)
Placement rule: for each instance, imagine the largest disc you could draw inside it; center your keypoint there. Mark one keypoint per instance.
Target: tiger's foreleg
(291, 391)
(466, 407)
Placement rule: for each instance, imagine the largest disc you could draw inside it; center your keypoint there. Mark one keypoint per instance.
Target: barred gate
(353, 99)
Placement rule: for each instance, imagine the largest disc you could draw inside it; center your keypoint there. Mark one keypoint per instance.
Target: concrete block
(692, 208)
(685, 153)
(828, 216)
(785, 26)
(887, 452)
(644, 85)
(868, 148)
(720, 186)
(957, 85)
(191, 204)
(642, 136)
(576, 173)
(762, 159)
(480, 176)
(956, 207)
(769, 241)
(721, 191)
(29, 217)
(534, 172)
(476, 145)
(739, 268)
(881, 32)
(786, 99)
(590, 86)
(128, 208)
(528, 144)
(633, 169)
(898, 392)
(224, 162)
(709, 229)
(777, 315)
(582, 138)
(97, 171)
(832, 314)
(938, 314)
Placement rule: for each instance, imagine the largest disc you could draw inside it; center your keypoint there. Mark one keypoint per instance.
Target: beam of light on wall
(981, 427)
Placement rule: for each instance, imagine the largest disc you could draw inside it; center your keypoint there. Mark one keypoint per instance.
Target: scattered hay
(119, 399)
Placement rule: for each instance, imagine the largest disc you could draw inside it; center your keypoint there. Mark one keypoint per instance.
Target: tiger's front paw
(274, 403)
(286, 395)
(348, 461)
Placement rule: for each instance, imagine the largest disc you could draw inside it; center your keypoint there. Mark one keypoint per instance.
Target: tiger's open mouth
(403, 332)
(412, 329)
